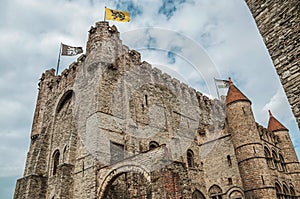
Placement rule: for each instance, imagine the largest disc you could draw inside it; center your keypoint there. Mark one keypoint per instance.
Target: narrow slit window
(229, 161)
(146, 100)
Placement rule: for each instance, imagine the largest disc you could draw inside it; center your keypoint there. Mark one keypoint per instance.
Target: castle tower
(288, 157)
(248, 147)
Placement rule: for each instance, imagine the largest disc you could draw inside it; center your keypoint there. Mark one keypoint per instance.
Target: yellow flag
(116, 15)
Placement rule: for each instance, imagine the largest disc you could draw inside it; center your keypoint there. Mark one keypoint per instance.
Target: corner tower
(248, 147)
(291, 162)
(285, 143)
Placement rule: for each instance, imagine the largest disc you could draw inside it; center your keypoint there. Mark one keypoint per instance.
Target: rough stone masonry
(279, 24)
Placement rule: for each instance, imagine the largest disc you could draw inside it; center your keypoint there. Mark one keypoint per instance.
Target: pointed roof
(274, 124)
(234, 94)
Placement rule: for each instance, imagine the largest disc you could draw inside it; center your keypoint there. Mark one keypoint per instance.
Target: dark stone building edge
(279, 24)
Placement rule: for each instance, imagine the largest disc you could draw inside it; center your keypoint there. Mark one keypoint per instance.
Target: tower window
(146, 100)
(116, 152)
(278, 191)
(293, 193)
(274, 158)
(190, 158)
(268, 157)
(197, 195)
(282, 163)
(230, 181)
(55, 161)
(153, 145)
(254, 149)
(215, 192)
(262, 179)
(65, 99)
(229, 161)
(286, 192)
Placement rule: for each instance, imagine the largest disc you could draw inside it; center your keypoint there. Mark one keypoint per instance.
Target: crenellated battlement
(129, 61)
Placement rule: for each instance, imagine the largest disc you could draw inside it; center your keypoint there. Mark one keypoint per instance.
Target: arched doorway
(128, 185)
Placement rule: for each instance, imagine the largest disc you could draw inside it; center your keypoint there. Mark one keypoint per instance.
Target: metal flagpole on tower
(217, 89)
(104, 13)
(58, 60)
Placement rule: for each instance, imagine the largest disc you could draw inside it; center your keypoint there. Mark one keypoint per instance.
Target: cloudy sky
(194, 40)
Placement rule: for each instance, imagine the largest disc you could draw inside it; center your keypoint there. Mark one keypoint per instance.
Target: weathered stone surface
(278, 22)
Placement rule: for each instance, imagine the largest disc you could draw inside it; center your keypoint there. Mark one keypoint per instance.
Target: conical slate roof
(234, 94)
(274, 124)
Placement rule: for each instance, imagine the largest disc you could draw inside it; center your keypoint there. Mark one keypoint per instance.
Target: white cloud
(221, 39)
(277, 105)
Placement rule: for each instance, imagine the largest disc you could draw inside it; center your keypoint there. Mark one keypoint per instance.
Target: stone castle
(112, 127)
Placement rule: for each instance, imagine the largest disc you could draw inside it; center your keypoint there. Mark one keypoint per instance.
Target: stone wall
(278, 22)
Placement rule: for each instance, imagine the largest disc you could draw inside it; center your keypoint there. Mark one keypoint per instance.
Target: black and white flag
(222, 83)
(70, 50)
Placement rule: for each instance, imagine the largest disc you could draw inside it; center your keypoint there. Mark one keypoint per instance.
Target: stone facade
(278, 22)
(111, 126)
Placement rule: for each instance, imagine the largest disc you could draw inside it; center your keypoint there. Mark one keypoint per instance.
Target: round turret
(284, 143)
(104, 43)
(248, 147)
(234, 94)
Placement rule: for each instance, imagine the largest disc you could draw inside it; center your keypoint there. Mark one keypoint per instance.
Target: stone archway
(128, 185)
(127, 181)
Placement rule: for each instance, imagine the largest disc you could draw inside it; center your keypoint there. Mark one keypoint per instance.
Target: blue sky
(194, 40)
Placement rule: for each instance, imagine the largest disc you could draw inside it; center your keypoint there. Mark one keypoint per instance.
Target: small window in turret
(229, 161)
(244, 110)
(146, 100)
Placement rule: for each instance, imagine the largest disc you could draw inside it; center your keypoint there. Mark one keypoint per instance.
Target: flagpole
(104, 13)
(58, 60)
(217, 89)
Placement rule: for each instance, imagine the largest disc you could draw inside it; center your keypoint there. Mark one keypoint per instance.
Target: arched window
(153, 145)
(190, 158)
(215, 192)
(236, 194)
(285, 192)
(278, 190)
(274, 159)
(55, 161)
(65, 99)
(197, 195)
(268, 157)
(229, 161)
(282, 163)
(65, 154)
(293, 193)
